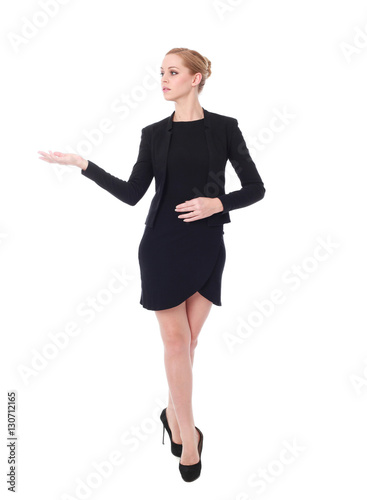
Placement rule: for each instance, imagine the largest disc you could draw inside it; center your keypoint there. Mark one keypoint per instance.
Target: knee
(194, 342)
(175, 342)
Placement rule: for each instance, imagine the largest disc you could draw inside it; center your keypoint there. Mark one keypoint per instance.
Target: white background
(300, 376)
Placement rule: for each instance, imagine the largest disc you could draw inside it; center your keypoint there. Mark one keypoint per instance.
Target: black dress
(179, 258)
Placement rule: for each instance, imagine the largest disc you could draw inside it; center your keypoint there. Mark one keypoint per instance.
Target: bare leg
(180, 327)
(197, 309)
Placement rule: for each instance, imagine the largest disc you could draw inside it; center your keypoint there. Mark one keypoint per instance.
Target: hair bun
(209, 66)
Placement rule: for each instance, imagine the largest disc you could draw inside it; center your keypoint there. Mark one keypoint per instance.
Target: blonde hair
(195, 62)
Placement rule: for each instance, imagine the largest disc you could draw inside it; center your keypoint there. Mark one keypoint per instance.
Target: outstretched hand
(63, 158)
(199, 208)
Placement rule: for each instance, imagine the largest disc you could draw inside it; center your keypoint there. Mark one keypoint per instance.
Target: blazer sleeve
(132, 190)
(253, 188)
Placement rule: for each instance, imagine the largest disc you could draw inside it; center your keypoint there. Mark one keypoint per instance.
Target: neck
(188, 112)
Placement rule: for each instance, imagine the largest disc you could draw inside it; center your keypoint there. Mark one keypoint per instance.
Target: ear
(197, 79)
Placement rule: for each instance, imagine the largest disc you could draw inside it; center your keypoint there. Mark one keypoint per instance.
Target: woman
(182, 252)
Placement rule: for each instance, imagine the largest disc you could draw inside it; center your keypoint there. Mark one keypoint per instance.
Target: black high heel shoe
(176, 449)
(191, 472)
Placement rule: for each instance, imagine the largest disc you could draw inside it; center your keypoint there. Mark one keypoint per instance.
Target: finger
(186, 216)
(185, 207)
(181, 206)
(43, 153)
(192, 219)
(187, 203)
(53, 157)
(46, 157)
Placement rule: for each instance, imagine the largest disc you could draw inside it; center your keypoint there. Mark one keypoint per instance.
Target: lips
(165, 88)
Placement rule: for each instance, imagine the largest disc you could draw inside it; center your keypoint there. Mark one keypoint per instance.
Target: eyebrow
(171, 67)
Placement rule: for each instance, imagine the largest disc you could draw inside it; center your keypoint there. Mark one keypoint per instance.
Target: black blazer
(224, 140)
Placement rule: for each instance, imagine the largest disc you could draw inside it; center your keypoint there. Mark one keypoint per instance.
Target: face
(176, 77)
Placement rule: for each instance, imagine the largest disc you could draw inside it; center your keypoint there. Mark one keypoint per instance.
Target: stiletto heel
(176, 449)
(191, 472)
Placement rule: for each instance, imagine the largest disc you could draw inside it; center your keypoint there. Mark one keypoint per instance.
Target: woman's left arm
(253, 189)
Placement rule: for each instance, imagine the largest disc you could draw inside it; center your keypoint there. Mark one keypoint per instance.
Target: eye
(161, 73)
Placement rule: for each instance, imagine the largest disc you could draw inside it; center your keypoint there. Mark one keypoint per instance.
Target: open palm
(61, 158)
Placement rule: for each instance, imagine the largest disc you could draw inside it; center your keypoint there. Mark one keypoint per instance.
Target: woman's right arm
(130, 191)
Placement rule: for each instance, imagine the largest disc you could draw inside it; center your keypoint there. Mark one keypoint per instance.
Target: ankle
(189, 435)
